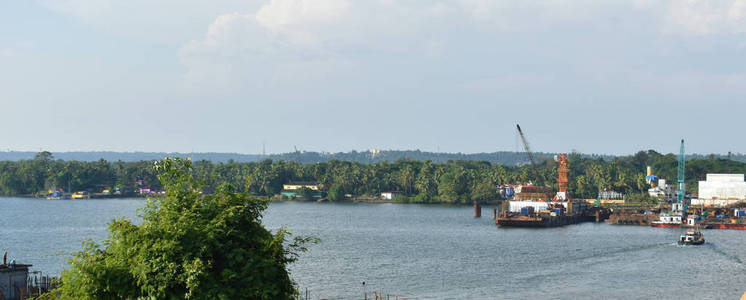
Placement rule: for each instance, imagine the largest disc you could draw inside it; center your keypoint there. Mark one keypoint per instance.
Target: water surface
(427, 251)
(45, 233)
(430, 252)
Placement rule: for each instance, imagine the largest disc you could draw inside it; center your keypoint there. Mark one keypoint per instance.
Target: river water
(430, 252)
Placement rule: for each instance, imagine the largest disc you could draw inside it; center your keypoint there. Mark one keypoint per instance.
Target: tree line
(455, 181)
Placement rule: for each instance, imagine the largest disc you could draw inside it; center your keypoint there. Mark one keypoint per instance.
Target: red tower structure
(562, 180)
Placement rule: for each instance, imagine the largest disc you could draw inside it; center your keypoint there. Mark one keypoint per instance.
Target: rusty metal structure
(562, 179)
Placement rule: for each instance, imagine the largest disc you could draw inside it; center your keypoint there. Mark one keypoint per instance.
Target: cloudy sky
(336, 75)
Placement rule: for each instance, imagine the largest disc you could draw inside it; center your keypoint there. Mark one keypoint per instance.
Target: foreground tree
(188, 246)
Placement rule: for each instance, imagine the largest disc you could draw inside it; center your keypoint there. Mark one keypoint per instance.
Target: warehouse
(721, 190)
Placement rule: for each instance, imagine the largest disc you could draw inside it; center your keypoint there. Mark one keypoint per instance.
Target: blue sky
(335, 75)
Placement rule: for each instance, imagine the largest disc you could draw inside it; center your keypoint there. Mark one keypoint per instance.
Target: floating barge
(539, 221)
(712, 225)
(534, 206)
(632, 219)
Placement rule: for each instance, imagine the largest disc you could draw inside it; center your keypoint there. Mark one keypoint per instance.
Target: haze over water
(430, 251)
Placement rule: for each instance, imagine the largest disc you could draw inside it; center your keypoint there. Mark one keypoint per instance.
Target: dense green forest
(457, 181)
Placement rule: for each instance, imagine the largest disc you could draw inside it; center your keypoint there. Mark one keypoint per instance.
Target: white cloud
(698, 17)
(333, 67)
(286, 37)
(291, 43)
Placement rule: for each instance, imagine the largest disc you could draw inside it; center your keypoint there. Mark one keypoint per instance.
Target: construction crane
(530, 155)
(682, 186)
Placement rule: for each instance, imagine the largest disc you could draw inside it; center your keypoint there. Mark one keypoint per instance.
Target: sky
(610, 77)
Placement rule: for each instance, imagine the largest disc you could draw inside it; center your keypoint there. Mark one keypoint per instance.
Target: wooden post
(477, 210)
(494, 213)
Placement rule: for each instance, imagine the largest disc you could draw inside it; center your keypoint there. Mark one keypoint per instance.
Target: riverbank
(135, 196)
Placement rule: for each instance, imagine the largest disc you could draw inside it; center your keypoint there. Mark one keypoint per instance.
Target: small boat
(56, 195)
(81, 195)
(692, 237)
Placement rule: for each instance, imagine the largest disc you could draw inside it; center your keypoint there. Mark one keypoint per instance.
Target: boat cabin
(670, 219)
(691, 220)
(692, 237)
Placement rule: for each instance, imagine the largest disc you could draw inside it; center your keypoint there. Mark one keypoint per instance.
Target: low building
(610, 195)
(663, 190)
(294, 194)
(602, 201)
(391, 195)
(721, 190)
(13, 281)
(296, 185)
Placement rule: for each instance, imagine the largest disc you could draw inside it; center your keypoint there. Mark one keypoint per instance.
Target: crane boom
(528, 152)
(682, 166)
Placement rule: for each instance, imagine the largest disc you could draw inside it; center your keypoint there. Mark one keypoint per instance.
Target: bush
(421, 198)
(189, 245)
(336, 193)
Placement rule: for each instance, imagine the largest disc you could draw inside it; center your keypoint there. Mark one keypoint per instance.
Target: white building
(391, 195)
(721, 190)
(663, 190)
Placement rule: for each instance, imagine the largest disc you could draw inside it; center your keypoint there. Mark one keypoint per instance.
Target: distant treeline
(457, 181)
(367, 157)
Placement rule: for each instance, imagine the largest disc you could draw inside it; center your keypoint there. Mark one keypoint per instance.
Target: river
(430, 252)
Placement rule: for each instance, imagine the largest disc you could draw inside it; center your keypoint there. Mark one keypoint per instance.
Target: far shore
(275, 199)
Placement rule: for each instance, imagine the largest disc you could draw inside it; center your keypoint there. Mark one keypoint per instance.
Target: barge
(538, 221)
(710, 225)
(533, 206)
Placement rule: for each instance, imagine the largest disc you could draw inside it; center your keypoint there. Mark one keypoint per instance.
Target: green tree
(189, 246)
(453, 186)
(426, 182)
(484, 191)
(336, 193)
(305, 193)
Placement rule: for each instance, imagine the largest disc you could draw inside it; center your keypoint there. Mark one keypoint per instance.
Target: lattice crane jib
(682, 166)
(537, 178)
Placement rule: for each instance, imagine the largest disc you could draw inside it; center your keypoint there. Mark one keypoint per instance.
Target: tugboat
(692, 237)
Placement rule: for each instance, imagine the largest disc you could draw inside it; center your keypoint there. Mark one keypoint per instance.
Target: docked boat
(692, 237)
(55, 195)
(81, 195)
(666, 220)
